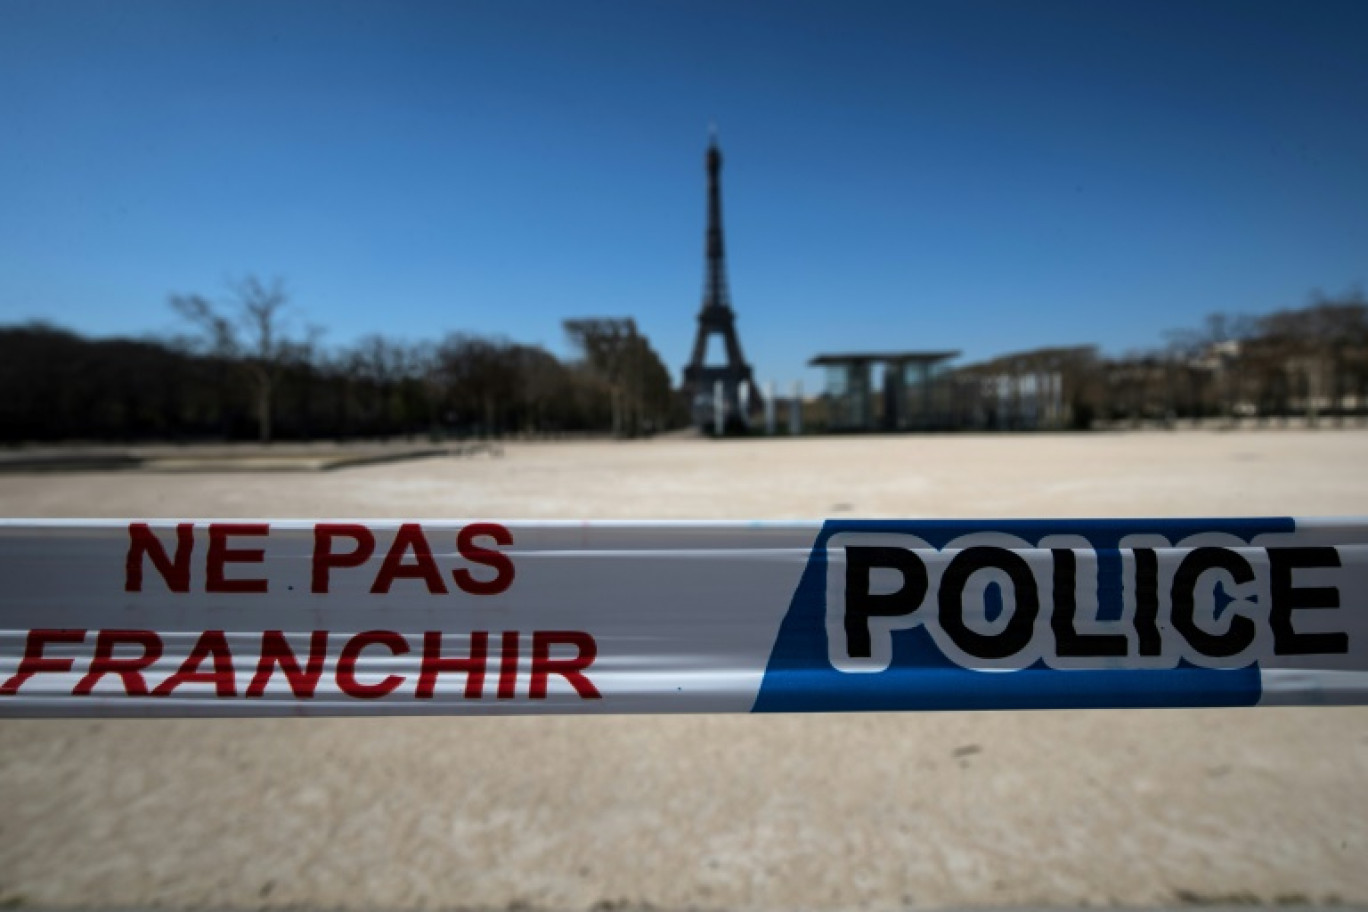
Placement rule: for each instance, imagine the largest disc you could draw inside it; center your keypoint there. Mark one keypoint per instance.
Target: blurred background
(356, 219)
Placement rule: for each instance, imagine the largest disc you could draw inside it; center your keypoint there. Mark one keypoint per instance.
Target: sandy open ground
(810, 812)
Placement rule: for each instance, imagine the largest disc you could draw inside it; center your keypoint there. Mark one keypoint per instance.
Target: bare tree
(480, 378)
(1339, 328)
(638, 383)
(248, 329)
(606, 344)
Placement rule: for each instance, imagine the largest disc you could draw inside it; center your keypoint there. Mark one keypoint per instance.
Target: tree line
(1309, 363)
(240, 375)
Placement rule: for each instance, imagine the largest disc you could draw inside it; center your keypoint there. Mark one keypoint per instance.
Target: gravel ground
(710, 812)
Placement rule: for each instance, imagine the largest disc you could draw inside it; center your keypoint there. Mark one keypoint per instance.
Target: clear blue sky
(971, 175)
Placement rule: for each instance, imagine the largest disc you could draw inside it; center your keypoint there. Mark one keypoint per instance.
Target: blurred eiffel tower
(717, 318)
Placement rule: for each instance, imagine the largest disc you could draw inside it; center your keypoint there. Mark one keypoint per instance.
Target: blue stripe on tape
(800, 678)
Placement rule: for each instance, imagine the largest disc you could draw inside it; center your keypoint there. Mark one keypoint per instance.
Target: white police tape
(214, 618)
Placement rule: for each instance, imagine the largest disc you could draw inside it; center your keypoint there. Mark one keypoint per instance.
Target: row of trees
(1309, 362)
(241, 375)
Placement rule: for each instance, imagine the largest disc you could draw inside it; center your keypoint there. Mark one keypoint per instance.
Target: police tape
(225, 618)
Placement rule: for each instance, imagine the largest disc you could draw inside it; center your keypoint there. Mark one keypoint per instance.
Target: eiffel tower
(717, 318)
